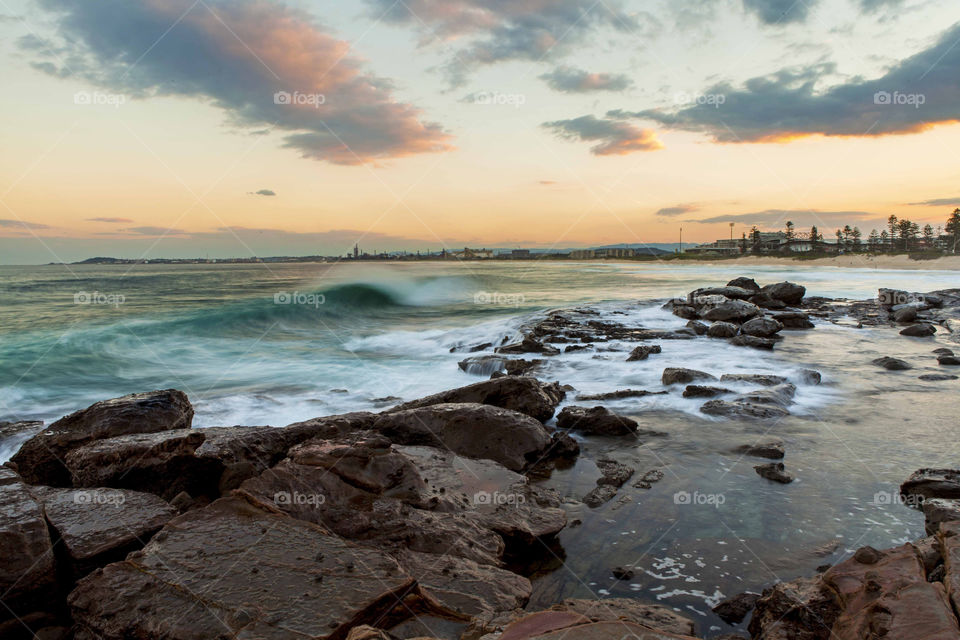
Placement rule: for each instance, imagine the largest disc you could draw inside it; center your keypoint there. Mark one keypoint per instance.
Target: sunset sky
(175, 128)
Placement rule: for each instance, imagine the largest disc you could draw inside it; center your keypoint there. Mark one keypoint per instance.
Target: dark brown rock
(932, 483)
(734, 610)
(643, 352)
(595, 420)
(698, 327)
(732, 310)
(774, 471)
(516, 393)
(722, 330)
(40, 458)
(892, 364)
(528, 344)
(763, 379)
(769, 450)
(786, 292)
(674, 375)
(744, 283)
(754, 342)
(803, 609)
(27, 573)
(794, 320)
(751, 410)
(651, 616)
(919, 330)
(761, 327)
(472, 430)
(948, 361)
(939, 510)
(195, 580)
(701, 391)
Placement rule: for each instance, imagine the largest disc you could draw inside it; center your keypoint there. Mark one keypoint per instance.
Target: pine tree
(815, 236)
(893, 226)
(856, 235)
(953, 229)
(790, 234)
(873, 241)
(928, 236)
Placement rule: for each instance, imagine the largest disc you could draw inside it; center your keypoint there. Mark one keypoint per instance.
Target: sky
(182, 128)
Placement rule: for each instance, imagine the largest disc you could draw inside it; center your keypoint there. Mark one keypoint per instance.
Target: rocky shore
(122, 520)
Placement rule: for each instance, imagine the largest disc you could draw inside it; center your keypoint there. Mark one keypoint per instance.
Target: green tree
(894, 226)
(873, 240)
(856, 235)
(908, 232)
(847, 233)
(884, 239)
(755, 239)
(815, 236)
(928, 236)
(953, 229)
(790, 234)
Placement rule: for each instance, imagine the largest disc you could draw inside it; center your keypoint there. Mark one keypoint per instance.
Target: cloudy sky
(239, 127)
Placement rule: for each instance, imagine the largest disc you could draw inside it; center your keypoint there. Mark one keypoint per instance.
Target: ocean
(259, 344)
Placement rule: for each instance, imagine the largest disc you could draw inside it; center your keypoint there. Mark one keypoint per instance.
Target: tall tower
(356, 251)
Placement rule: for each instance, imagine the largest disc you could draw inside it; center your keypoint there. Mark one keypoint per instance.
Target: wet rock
(905, 315)
(39, 459)
(162, 463)
(685, 311)
(13, 434)
(622, 573)
(27, 573)
(200, 564)
(643, 352)
(761, 327)
(613, 473)
(734, 610)
(802, 609)
(766, 301)
(697, 327)
(536, 624)
(732, 310)
(763, 379)
(743, 410)
(621, 394)
(939, 510)
(774, 471)
(516, 393)
(754, 342)
(943, 351)
(919, 330)
(938, 377)
(786, 292)
(893, 297)
(889, 597)
(648, 479)
(932, 483)
(745, 283)
(731, 292)
(577, 347)
(471, 430)
(780, 395)
(949, 543)
(651, 616)
(809, 376)
(794, 320)
(769, 450)
(99, 526)
(528, 344)
(948, 361)
(722, 330)
(465, 588)
(892, 364)
(595, 420)
(600, 494)
(674, 375)
(701, 391)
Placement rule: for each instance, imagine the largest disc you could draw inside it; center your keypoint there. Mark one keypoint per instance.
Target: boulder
(809, 376)
(892, 364)
(748, 410)
(697, 327)
(98, 526)
(701, 391)
(803, 609)
(473, 430)
(40, 458)
(753, 341)
(528, 344)
(786, 292)
(761, 327)
(734, 610)
(27, 572)
(886, 595)
(932, 483)
(231, 568)
(722, 330)
(732, 310)
(780, 395)
(894, 297)
(939, 510)
(745, 283)
(595, 420)
(769, 450)
(949, 544)
(919, 330)
(774, 471)
(643, 352)
(731, 292)
(938, 377)
(516, 393)
(766, 301)
(14, 434)
(600, 495)
(905, 315)
(613, 473)
(794, 320)
(948, 360)
(620, 394)
(685, 311)
(762, 379)
(674, 375)
(943, 351)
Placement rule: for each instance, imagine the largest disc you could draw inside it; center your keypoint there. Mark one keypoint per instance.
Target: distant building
(583, 254)
(520, 253)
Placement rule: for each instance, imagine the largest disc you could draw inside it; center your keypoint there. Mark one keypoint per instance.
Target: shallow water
(357, 332)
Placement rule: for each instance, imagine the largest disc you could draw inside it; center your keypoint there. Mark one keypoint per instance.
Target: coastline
(857, 261)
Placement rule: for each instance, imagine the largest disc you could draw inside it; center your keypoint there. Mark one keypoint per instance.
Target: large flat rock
(234, 570)
(474, 430)
(40, 459)
(96, 526)
(26, 556)
(517, 393)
